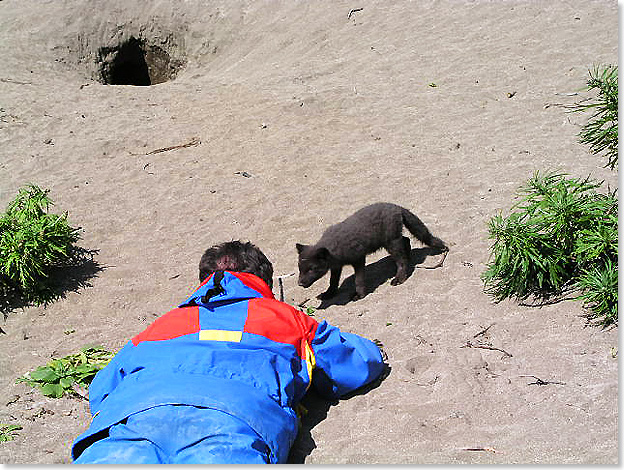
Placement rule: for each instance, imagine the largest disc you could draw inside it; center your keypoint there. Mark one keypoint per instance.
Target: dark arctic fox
(373, 227)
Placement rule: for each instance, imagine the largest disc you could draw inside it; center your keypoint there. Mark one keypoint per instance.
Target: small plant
(32, 243)
(8, 432)
(561, 236)
(601, 131)
(59, 376)
(599, 287)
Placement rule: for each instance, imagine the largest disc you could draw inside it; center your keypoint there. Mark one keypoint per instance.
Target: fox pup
(373, 227)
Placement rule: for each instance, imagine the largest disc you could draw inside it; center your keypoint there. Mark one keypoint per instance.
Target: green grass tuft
(32, 243)
(562, 236)
(601, 130)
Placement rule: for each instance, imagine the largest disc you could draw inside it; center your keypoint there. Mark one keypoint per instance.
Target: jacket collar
(235, 286)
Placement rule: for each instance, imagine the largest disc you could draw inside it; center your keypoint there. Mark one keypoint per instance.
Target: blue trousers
(178, 434)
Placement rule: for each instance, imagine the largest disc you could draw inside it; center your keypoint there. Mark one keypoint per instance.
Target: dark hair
(238, 257)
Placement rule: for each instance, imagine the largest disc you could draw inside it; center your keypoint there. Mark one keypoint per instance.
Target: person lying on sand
(218, 379)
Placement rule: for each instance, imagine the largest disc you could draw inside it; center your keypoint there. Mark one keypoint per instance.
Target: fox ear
(300, 247)
(322, 253)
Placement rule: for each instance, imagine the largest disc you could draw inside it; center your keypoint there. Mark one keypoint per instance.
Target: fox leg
(334, 280)
(360, 279)
(399, 250)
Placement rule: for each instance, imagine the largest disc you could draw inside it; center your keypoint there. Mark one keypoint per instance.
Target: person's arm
(344, 361)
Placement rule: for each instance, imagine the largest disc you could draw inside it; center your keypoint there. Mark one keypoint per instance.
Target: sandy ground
(302, 112)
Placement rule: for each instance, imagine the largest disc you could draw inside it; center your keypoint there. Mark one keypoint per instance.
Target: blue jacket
(237, 350)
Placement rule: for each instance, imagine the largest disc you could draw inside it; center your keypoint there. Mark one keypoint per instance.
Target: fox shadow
(316, 410)
(377, 273)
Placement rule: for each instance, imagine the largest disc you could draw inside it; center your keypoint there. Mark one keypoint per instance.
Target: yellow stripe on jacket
(220, 335)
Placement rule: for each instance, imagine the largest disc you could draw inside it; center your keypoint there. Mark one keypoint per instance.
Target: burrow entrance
(135, 62)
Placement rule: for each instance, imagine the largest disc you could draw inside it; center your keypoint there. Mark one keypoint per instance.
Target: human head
(238, 257)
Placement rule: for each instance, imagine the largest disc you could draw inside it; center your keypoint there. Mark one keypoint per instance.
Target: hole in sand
(137, 63)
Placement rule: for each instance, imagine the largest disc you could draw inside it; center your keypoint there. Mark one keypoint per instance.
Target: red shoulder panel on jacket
(279, 322)
(175, 323)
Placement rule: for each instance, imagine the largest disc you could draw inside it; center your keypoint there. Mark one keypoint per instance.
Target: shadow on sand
(72, 276)
(317, 407)
(377, 273)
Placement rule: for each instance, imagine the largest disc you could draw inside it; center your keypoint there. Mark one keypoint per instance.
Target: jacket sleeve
(344, 361)
(107, 379)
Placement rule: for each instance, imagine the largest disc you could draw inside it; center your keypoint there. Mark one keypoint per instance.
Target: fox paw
(396, 281)
(357, 296)
(326, 295)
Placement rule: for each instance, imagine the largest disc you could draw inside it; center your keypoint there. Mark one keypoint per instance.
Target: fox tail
(420, 230)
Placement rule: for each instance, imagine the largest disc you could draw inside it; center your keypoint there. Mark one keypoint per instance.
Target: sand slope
(445, 107)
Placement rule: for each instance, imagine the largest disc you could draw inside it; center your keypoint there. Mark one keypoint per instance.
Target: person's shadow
(317, 407)
(376, 274)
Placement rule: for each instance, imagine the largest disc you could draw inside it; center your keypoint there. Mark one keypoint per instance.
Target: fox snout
(305, 282)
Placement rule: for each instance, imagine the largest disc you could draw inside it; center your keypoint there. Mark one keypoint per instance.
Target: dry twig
(17, 82)
(469, 344)
(438, 264)
(353, 10)
(281, 284)
(193, 143)
(480, 449)
(484, 331)
(539, 381)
